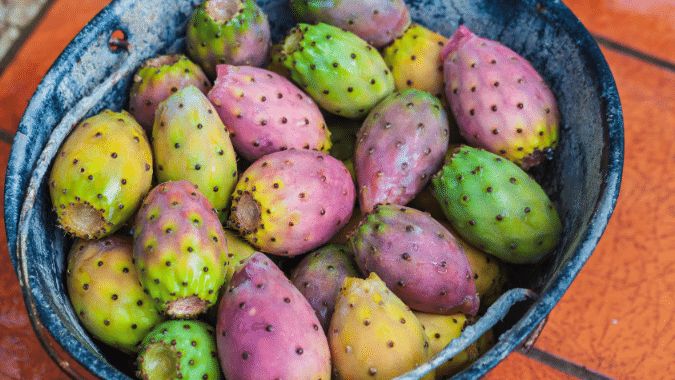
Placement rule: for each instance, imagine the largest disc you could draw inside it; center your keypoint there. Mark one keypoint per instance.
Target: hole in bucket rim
(118, 41)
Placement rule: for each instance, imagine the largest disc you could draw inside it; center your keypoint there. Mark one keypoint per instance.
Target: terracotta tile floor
(616, 318)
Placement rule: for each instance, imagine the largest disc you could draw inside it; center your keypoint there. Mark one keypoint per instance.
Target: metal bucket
(94, 72)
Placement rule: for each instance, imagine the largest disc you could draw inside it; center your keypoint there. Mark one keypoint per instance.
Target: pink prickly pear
(157, 79)
(267, 113)
(418, 259)
(267, 330)
(499, 100)
(291, 202)
(178, 249)
(400, 146)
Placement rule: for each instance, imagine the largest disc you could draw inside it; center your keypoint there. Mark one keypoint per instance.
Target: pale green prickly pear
(345, 75)
(100, 175)
(496, 206)
(191, 143)
(373, 334)
(106, 296)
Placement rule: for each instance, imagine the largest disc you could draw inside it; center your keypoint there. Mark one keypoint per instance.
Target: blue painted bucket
(94, 73)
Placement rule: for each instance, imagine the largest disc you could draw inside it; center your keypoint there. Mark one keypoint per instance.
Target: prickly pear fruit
(373, 334)
(488, 272)
(191, 143)
(157, 79)
(417, 258)
(414, 59)
(266, 113)
(178, 247)
(228, 31)
(105, 294)
(400, 146)
(319, 277)
(288, 203)
(267, 330)
(237, 253)
(344, 74)
(343, 133)
(499, 100)
(179, 350)
(495, 206)
(376, 21)
(100, 175)
(440, 331)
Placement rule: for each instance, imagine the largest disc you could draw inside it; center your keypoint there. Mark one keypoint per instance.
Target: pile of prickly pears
(307, 210)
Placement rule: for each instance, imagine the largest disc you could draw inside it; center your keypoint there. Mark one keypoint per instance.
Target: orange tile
(618, 316)
(18, 82)
(518, 366)
(646, 25)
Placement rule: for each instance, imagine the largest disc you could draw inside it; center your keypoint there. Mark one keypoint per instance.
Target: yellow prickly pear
(373, 334)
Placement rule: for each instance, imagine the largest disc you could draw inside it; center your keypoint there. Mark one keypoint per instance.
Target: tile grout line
(563, 365)
(635, 53)
(26, 32)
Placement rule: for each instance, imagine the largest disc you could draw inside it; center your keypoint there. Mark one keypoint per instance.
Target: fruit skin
(237, 253)
(276, 62)
(320, 275)
(191, 143)
(373, 334)
(418, 259)
(267, 330)
(236, 32)
(345, 75)
(291, 202)
(342, 236)
(499, 100)
(400, 146)
(178, 248)
(267, 113)
(414, 59)
(157, 79)
(100, 175)
(377, 21)
(106, 296)
(495, 206)
(179, 349)
(489, 274)
(440, 331)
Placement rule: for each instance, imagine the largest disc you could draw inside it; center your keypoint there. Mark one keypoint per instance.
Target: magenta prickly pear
(417, 258)
(157, 79)
(290, 202)
(400, 146)
(320, 275)
(179, 247)
(499, 100)
(267, 330)
(377, 21)
(267, 113)
(228, 31)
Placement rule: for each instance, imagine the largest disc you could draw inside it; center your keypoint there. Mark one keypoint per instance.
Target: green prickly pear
(373, 334)
(344, 74)
(179, 350)
(191, 143)
(236, 32)
(179, 247)
(496, 206)
(237, 252)
(105, 293)
(100, 175)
